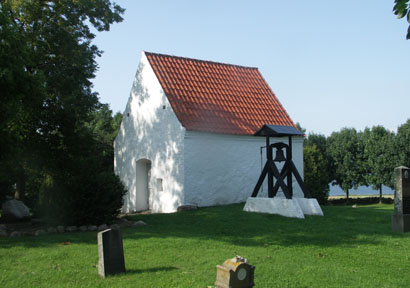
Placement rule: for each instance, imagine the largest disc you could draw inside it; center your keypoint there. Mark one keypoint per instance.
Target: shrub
(96, 198)
(82, 197)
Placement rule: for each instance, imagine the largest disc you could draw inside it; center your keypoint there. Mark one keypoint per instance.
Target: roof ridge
(200, 60)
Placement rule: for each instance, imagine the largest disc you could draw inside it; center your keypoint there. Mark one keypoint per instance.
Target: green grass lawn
(346, 248)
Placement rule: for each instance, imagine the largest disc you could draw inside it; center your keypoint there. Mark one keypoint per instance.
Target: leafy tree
(401, 8)
(104, 127)
(346, 159)
(316, 176)
(402, 144)
(84, 190)
(317, 165)
(47, 60)
(116, 122)
(21, 98)
(380, 157)
(320, 141)
(300, 128)
(315, 172)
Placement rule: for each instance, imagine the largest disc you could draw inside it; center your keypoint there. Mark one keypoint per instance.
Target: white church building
(187, 134)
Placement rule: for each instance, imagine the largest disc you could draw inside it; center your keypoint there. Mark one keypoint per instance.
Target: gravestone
(235, 273)
(110, 253)
(401, 216)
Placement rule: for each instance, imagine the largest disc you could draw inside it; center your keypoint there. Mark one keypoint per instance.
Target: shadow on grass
(53, 240)
(341, 225)
(150, 270)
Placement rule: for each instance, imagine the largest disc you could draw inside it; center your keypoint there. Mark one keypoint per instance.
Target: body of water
(362, 190)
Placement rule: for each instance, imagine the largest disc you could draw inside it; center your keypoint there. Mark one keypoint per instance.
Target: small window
(159, 184)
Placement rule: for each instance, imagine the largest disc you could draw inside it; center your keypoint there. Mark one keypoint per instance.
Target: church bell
(279, 155)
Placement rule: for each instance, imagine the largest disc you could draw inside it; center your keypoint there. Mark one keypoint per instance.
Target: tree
(85, 190)
(47, 61)
(315, 165)
(346, 159)
(402, 144)
(380, 157)
(315, 172)
(103, 124)
(320, 141)
(401, 8)
(300, 128)
(104, 127)
(21, 98)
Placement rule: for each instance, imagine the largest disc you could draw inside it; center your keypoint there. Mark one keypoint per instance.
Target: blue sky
(332, 64)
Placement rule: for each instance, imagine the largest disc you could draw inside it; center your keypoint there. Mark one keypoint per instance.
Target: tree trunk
(20, 186)
(380, 194)
(347, 196)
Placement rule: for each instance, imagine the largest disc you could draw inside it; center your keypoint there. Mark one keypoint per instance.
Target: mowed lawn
(349, 247)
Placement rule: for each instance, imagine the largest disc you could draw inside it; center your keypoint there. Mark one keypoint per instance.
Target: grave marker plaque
(110, 253)
(401, 216)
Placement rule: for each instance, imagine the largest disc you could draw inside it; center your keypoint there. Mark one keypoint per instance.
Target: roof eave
(269, 130)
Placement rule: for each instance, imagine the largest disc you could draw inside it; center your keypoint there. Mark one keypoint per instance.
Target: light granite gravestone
(110, 253)
(401, 216)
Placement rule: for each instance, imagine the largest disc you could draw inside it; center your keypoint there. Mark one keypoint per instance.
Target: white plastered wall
(150, 131)
(222, 169)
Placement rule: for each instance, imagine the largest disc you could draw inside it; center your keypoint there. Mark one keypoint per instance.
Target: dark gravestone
(401, 216)
(110, 253)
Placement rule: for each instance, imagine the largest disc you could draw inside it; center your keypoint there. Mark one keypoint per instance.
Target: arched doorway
(143, 184)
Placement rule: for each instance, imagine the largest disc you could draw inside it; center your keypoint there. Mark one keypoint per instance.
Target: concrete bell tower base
(294, 208)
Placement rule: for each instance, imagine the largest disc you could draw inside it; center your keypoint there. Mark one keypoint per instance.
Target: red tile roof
(215, 97)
